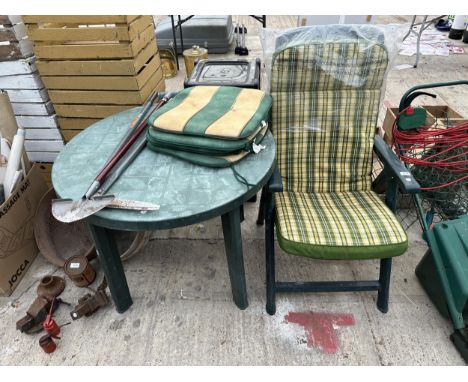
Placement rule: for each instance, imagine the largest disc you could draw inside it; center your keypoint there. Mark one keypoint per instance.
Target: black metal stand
(179, 24)
(260, 19)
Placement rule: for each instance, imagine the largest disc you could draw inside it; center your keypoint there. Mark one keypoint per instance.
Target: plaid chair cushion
(325, 106)
(324, 139)
(326, 97)
(342, 225)
(318, 66)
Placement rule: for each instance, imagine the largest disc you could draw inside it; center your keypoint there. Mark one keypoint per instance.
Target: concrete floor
(183, 312)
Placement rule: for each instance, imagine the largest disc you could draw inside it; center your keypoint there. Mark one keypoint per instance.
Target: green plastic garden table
(186, 193)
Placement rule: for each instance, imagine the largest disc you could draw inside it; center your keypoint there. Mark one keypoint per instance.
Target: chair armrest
(275, 184)
(394, 167)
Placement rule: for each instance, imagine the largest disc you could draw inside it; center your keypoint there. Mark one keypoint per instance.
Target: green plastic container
(451, 239)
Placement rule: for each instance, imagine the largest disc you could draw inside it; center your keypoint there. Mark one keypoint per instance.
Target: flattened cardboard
(18, 247)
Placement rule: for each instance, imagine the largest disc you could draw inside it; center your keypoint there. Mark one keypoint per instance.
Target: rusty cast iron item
(90, 303)
(80, 271)
(50, 287)
(36, 314)
(32, 321)
(47, 344)
(58, 241)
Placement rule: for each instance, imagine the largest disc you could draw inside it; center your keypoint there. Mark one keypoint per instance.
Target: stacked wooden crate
(95, 66)
(30, 101)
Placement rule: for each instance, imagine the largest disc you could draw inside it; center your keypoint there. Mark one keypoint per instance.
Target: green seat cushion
(223, 112)
(338, 226)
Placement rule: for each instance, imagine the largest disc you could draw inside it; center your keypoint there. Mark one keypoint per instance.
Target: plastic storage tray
(214, 33)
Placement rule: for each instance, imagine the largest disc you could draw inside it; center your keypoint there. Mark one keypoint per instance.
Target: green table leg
(233, 245)
(112, 266)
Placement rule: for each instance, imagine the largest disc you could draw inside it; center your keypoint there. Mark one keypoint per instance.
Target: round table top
(187, 193)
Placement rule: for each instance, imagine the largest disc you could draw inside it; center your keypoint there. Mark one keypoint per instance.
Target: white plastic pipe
(17, 178)
(14, 161)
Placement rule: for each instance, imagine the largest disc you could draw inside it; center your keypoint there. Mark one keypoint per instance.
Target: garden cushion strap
(345, 225)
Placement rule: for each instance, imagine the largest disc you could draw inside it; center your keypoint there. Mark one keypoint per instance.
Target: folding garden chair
(326, 86)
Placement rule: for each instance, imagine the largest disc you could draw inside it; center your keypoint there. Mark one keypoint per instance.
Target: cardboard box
(18, 247)
(440, 114)
(443, 115)
(387, 125)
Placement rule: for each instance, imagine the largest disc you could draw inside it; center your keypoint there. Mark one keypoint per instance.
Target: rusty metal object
(90, 303)
(50, 287)
(47, 344)
(36, 314)
(58, 241)
(139, 241)
(80, 271)
(32, 321)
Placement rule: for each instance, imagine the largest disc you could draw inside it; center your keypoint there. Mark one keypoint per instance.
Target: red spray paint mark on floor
(319, 328)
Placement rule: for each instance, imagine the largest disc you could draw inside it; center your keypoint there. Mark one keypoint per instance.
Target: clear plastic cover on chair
(367, 39)
(327, 84)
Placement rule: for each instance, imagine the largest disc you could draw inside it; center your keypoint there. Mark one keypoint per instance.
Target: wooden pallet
(36, 133)
(17, 67)
(64, 31)
(95, 51)
(83, 38)
(121, 67)
(41, 121)
(95, 66)
(103, 107)
(21, 82)
(78, 19)
(41, 145)
(32, 96)
(104, 82)
(40, 156)
(74, 118)
(43, 137)
(23, 108)
(110, 97)
(29, 100)
(13, 42)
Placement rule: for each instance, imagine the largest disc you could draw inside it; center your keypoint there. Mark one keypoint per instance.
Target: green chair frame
(396, 177)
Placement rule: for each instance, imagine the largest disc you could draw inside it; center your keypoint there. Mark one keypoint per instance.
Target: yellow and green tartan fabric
(338, 225)
(324, 139)
(326, 99)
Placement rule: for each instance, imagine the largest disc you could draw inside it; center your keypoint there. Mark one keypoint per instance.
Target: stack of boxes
(29, 99)
(95, 66)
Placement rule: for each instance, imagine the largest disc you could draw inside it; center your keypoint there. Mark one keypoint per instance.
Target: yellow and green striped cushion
(338, 225)
(224, 112)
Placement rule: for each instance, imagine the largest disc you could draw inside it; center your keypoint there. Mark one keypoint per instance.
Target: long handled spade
(95, 198)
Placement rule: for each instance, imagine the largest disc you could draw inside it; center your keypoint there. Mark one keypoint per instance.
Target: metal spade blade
(68, 210)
